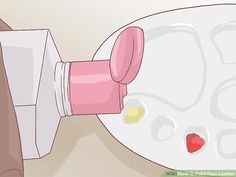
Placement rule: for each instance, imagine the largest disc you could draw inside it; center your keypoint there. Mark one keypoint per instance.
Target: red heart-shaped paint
(194, 142)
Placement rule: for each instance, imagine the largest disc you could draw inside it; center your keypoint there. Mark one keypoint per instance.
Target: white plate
(187, 84)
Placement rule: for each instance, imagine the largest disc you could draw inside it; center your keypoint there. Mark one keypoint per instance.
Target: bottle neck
(62, 89)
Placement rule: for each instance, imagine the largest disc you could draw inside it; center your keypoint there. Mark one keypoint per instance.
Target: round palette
(180, 109)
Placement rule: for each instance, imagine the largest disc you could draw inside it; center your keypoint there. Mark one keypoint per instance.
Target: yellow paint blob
(134, 114)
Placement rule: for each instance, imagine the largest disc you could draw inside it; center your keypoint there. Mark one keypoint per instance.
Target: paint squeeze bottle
(44, 88)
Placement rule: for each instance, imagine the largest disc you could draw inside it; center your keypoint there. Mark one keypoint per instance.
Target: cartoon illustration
(162, 86)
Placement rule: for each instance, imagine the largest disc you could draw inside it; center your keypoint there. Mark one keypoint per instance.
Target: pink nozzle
(126, 56)
(98, 87)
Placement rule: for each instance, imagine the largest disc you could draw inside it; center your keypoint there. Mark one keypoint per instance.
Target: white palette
(187, 84)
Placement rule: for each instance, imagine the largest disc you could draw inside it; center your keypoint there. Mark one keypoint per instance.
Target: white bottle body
(30, 58)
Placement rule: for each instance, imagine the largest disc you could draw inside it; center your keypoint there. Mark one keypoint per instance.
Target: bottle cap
(98, 87)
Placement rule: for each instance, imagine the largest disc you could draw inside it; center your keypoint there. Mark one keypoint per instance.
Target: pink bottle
(98, 87)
